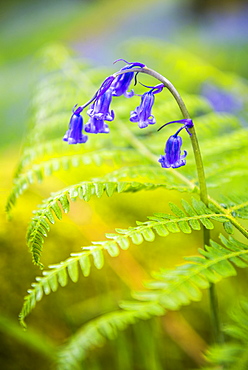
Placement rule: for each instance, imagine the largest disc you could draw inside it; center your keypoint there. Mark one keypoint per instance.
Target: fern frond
(38, 171)
(184, 220)
(96, 332)
(169, 179)
(59, 274)
(51, 207)
(187, 219)
(173, 289)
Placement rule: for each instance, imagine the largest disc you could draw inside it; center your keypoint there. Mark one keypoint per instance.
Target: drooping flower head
(74, 134)
(173, 157)
(114, 85)
(143, 113)
(122, 82)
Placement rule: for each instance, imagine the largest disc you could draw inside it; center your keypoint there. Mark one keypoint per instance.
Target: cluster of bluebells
(100, 113)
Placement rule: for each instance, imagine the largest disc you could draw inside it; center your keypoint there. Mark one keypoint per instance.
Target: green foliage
(125, 163)
(233, 354)
(95, 333)
(169, 291)
(162, 223)
(38, 171)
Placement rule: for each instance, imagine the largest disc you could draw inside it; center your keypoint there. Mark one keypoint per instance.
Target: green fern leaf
(37, 172)
(50, 208)
(184, 284)
(137, 234)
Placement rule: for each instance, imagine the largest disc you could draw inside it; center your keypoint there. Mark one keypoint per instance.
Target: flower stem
(216, 327)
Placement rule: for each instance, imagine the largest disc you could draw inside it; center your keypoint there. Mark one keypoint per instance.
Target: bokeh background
(96, 33)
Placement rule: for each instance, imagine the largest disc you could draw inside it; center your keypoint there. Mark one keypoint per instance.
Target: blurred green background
(96, 33)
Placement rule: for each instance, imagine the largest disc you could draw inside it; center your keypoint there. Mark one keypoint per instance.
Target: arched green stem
(185, 113)
(218, 338)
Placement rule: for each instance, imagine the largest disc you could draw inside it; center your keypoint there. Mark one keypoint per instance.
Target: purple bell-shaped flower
(143, 113)
(173, 157)
(74, 134)
(122, 82)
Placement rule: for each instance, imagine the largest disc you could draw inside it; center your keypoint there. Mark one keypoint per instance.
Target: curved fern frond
(184, 220)
(187, 219)
(173, 289)
(38, 171)
(52, 207)
(96, 332)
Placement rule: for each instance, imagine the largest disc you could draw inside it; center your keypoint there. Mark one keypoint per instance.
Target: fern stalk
(218, 337)
(232, 219)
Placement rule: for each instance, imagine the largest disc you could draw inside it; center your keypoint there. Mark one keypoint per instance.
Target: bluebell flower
(143, 113)
(74, 134)
(96, 126)
(122, 82)
(100, 108)
(173, 157)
